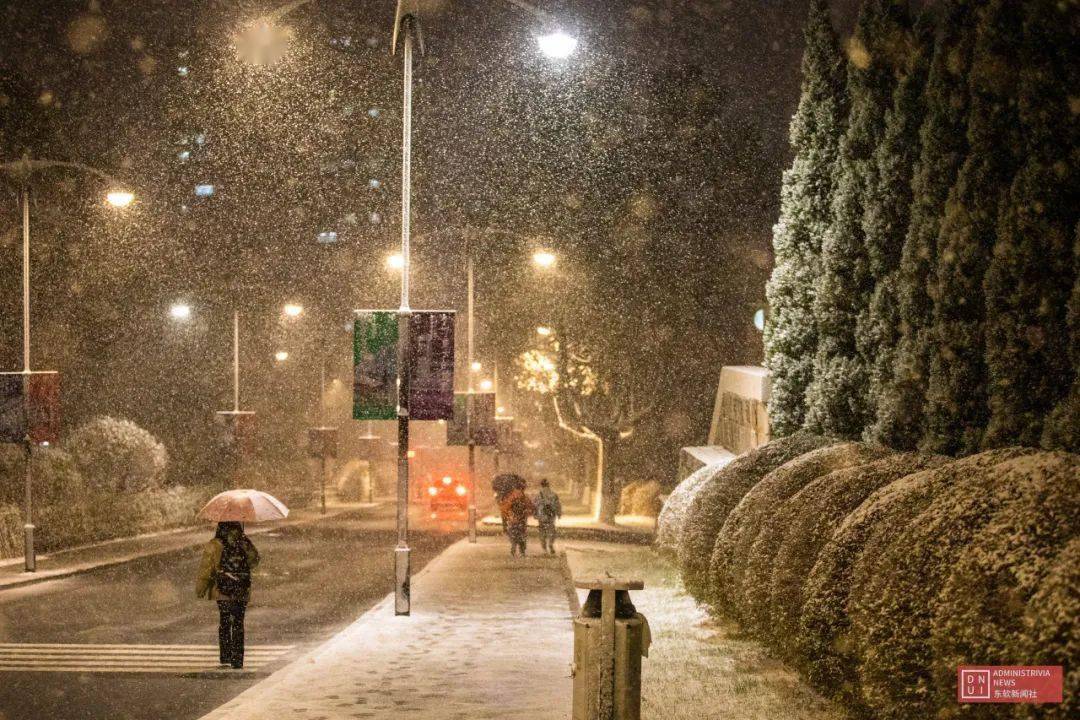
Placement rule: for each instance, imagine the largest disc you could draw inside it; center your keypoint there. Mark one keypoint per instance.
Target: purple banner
(431, 383)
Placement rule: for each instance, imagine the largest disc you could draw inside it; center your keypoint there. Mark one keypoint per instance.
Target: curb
(46, 575)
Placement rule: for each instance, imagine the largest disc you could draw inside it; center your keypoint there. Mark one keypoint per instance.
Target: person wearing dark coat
(516, 509)
(548, 510)
(225, 576)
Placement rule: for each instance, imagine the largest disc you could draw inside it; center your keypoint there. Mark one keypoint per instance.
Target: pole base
(472, 524)
(402, 599)
(28, 546)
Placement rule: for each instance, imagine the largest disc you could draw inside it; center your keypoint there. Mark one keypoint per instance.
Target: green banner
(375, 365)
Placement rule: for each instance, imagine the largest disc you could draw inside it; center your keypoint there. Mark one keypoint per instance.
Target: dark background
(650, 161)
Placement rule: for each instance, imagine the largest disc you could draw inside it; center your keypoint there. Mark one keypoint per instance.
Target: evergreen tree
(1031, 272)
(956, 396)
(900, 418)
(837, 397)
(1062, 428)
(886, 221)
(791, 334)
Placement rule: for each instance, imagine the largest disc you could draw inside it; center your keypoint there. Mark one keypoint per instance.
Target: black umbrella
(504, 483)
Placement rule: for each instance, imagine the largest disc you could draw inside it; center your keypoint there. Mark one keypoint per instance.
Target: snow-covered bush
(803, 525)
(1052, 633)
(758, 554)
(979, 615)
(670, 523)
(729, 576)
(892, 610)
(645, 500)
(53, 475)
(117, 455)
(827, 647)
(720, 494)
(11, 532)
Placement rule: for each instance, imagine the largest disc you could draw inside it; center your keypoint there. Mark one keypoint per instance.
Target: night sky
(650, 161)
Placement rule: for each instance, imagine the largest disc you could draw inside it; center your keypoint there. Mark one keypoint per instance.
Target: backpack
(234, 572)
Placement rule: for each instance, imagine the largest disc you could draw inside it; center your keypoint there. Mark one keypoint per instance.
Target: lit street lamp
(544, 259)
(544, 331)
(557, 45)
(281, 356)
(395, 261)
(294, 310)
(179, 311)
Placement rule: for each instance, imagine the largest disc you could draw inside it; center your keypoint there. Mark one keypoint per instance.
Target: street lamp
(294, 310)
(119, 198)
(395, 261)
(180, 311)
(476, 366)
(281, 356)
(557, 45)
(544, 259)
(21, 170)
(544, 331)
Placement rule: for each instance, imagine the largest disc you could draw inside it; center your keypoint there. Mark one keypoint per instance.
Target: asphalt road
(313, 581)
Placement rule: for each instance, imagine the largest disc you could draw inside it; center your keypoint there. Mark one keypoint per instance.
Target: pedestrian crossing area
(171, 659)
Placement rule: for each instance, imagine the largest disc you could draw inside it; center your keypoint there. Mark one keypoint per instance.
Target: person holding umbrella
(228, 561)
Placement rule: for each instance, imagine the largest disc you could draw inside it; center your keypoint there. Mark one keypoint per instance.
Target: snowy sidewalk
(63, 563)
(490, 637)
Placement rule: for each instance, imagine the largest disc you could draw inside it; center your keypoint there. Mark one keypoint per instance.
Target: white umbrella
(244, 506)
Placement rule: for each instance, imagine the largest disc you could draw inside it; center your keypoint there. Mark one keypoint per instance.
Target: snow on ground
(699, 667)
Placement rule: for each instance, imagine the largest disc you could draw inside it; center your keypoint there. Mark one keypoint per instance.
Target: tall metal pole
(322, 424)
(29, 556)
(469, 400)
(236, 361)
(402, 599)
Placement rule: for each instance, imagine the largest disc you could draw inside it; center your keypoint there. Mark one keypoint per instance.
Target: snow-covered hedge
(640, 498)
(827, 649)
(54, 476)
(730, 575)
(893, 609)
(1052, 633)
(979, 614)
(118, 455)
(803, 525)
(669, 524)
(720, 494)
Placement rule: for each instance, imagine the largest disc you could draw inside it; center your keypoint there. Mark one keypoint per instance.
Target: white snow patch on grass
(699, 667)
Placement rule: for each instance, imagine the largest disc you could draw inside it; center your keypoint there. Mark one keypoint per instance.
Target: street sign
(30, 405)
(431, 385)
(375, 338)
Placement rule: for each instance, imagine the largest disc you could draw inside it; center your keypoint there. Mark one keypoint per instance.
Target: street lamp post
(469, 399)
(407, 27)
(117, 198)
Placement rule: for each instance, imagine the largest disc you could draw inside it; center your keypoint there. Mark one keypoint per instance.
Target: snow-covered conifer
(956, 397)
(805, 207)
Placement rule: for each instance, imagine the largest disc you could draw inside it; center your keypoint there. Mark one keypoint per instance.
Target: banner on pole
(12, 411)
(322, 442)
(30, 406)
(375, 340)
(484, 429)
(236, 431)
(431, 382)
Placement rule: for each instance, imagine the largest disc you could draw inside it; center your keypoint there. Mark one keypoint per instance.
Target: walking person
(516, 509)
(548, 510)
(225, 576)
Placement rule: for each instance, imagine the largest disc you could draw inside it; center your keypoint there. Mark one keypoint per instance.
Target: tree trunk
(610, 489)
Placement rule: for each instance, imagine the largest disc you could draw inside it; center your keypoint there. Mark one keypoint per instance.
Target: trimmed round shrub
(720, 494)
(730, 575)
(672, 516)
(118, 456)
(1052, 633)
(801, 528)
(892, 611)
(646, 499)
(53, 474)
(827, 648)
(979, 616)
